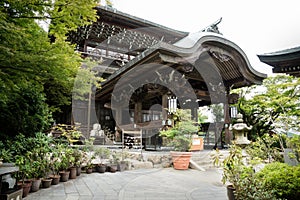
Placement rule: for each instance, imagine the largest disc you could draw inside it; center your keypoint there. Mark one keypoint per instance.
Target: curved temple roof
(211, 50)
(195, 56)
(284, 61)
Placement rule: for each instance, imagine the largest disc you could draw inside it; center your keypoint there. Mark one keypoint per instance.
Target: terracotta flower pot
(26, 186)
(181, 160)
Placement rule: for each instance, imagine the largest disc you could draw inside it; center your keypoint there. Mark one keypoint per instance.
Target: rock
(142, 165)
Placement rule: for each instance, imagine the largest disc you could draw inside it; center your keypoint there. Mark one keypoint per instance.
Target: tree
(86, 78)
(31, 64)
(274, 104)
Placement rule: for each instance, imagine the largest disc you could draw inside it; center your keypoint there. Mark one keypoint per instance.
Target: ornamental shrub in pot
(180, 136)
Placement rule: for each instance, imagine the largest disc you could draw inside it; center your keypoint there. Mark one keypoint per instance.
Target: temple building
(151, 70)
(284, 61)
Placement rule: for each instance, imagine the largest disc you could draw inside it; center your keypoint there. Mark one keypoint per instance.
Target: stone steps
(203, 158)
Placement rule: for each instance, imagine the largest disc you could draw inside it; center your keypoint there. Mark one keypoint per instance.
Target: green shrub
(265, 148)
(282, 178)
(251, 188)
(294, 143)
(181, 133)
(25, 111)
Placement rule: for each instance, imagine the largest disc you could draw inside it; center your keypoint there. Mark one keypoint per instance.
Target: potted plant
(88, 155)
(73, 158)
(181, 138)
(232, 169)
(242, 176)
(114, 160)
(39, 159)
(88, 163)
(24, 173)
(101, 153)
(71, 133)
(37, 168)
(78, 155)
(55, 166)
(59, 164)
(67, 169)
(46, 180)
(122, 164)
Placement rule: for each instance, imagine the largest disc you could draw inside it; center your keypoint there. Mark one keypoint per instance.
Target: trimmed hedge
(283, 179)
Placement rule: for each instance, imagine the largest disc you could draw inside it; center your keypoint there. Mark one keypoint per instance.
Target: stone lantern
(240, 131)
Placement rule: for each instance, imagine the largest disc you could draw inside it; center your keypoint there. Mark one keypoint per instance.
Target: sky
(257, 26)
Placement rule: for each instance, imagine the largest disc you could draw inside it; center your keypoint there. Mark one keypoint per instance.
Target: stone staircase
(99, 140)
(203, 158)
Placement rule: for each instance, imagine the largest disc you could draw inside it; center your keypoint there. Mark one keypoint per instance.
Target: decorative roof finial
(213, 27)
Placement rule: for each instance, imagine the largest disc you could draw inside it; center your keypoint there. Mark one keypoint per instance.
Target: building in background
(284, 61)
(149, 68)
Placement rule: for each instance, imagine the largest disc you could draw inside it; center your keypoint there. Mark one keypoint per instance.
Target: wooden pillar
(119, 115)
(195, 114)
(138, 112)
(228, 134)
(164, 104)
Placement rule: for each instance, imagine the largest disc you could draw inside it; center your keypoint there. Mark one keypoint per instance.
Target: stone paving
(142, 184)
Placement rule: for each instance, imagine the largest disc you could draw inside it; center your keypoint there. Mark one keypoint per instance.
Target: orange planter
(197, 144)
(181, 160)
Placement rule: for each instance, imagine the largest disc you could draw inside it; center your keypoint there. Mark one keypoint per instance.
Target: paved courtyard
(142, 184)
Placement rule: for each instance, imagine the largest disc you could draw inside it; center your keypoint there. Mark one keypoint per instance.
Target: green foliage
(282, 178)
(62, 158)
(88, 155)
(181, 133)
(65, 15)
(24, 165)
(33, 160)
(5, 153)
(56, 163)
(265, 149)
(86, 78)
(78, 156)
(217, 110)
(216, 157)
(70, 132)
(102, 153)
(181, 143)
(243, 178)
(252, 188)
(233, 166)
(294, 143)
(37, 73)
(273, 105)
(24, 111)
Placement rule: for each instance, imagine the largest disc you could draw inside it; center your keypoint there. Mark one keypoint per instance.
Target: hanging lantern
(172, 104)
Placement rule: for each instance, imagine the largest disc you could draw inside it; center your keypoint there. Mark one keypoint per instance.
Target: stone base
(141, 165)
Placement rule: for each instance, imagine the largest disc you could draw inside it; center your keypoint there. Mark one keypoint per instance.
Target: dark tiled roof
(283, 61)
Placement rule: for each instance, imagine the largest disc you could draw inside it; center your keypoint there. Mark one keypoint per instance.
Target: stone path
(142, 184)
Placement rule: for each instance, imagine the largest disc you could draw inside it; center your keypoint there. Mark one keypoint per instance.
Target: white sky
(257, 26)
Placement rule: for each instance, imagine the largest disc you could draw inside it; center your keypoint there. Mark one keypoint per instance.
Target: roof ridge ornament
(213, 27)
